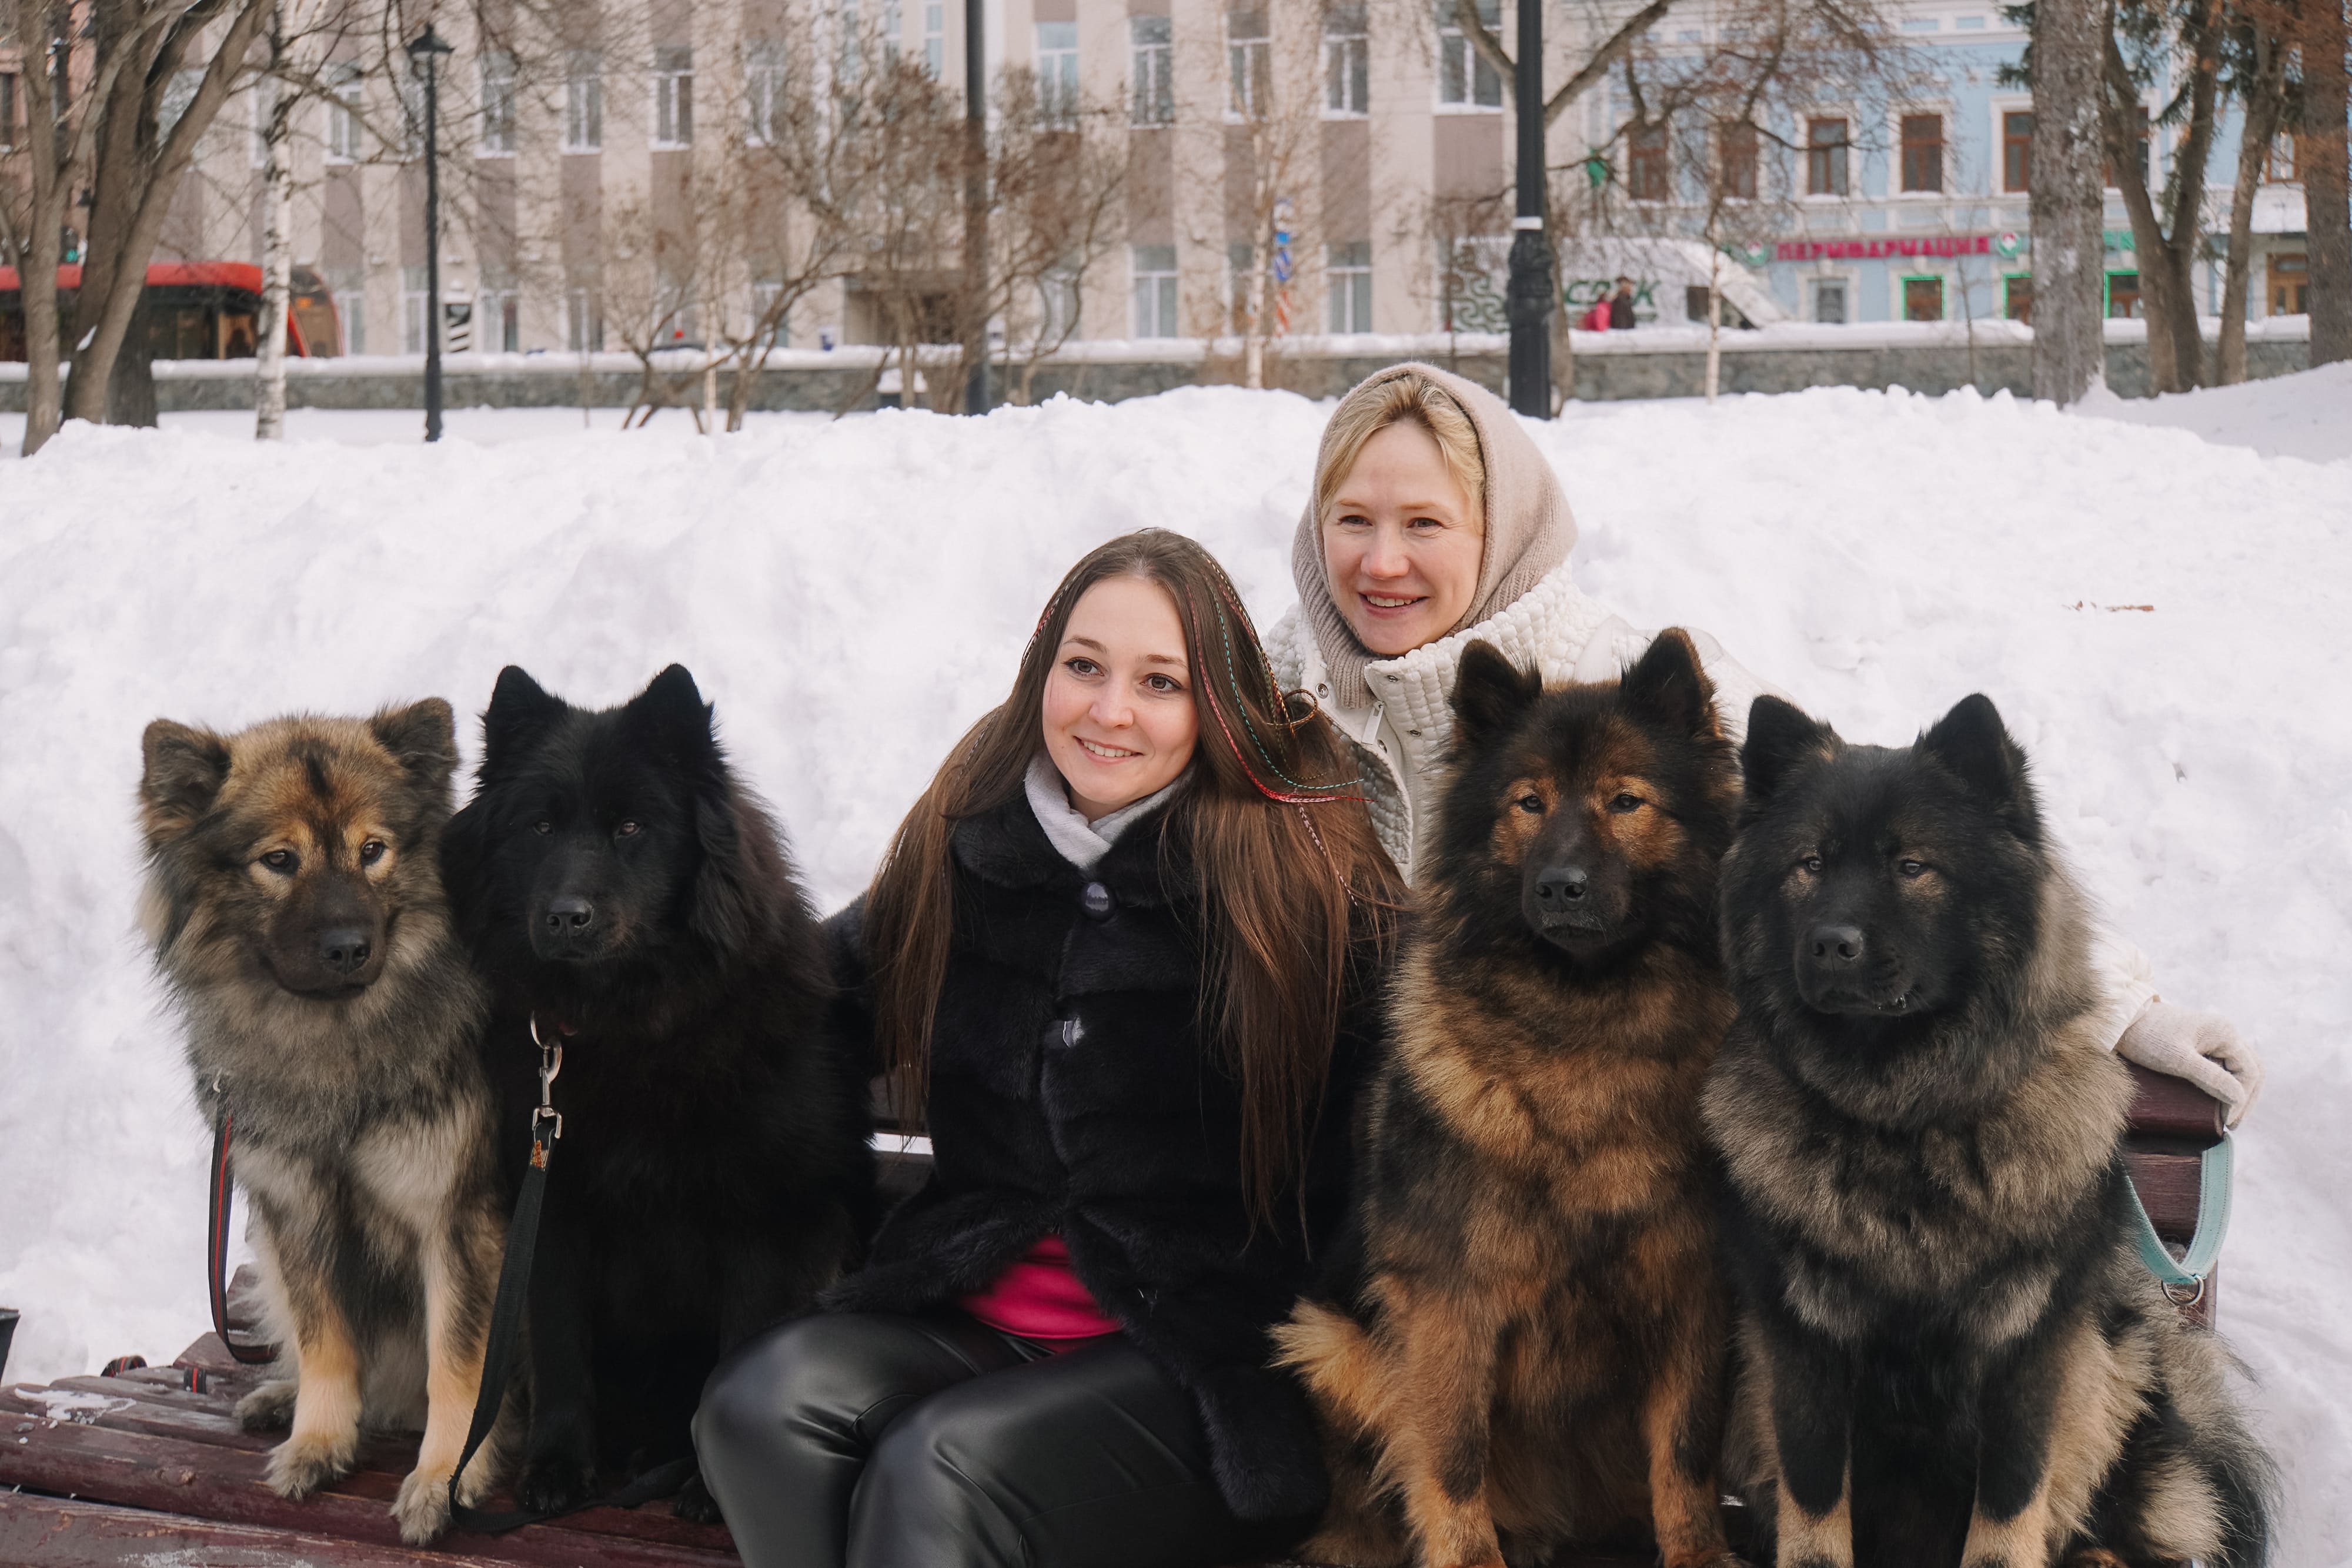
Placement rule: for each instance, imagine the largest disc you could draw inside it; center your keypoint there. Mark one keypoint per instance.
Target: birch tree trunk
(2327, 202)
(2069, 43)
(1714, 318)
(276, 247)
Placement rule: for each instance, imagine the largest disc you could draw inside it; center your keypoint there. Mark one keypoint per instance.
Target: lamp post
(1528, 302)
(424, 49)
(975, 205)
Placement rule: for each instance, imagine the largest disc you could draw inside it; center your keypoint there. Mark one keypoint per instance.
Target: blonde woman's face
(1120, 720)
(1403, 543)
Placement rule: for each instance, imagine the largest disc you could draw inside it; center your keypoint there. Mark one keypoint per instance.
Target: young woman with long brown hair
(1123, 954)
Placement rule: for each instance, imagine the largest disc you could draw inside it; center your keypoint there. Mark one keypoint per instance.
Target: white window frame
(1249, 60)
(1348, 289)
(764, 82)
(1805, 119)
(583, 101)
(1060, 304)
(672, 127)
(497, 77)
(1156, 314)
(413, 302)
(1347, 61)
(1847, 281)
(348, 287)
(935, 37)
(1462, 70)
(1944, 170)
(584, 322)
(346, 91)
(1058, 73)
(1152, 63)
(1997, 113)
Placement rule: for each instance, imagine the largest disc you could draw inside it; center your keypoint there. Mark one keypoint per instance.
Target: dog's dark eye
(1625, 800)
(1531, 804)
(371, 851)
(283, 860)
(1910, 868)
(628, 829)
(1812, 864)
(543, 826)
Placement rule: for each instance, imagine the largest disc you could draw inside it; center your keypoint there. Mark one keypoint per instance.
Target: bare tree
(2065, 64)
(2260, 58)
(2166, 219)
(2327, 182)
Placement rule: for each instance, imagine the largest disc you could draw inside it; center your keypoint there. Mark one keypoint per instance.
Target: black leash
(505, 1325)
(216, 1243)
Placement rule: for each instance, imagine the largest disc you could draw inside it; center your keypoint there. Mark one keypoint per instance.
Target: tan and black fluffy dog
(1950, 1352)
(295, 904)
(1521, 1343)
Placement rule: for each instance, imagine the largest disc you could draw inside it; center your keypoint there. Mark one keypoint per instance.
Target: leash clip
(550, 1064)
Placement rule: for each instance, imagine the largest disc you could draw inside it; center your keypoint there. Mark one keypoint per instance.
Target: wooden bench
(149, 1464)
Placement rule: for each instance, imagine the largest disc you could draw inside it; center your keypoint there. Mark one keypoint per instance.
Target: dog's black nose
(1560, 888)
(570, 916)
(1837, 946)
(344, 948)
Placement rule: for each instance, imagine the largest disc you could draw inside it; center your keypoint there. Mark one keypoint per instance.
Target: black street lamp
(1528, 302)
(975, 203)
(424, 49)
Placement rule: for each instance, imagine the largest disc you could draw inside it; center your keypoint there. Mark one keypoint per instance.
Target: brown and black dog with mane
(1521, 1342)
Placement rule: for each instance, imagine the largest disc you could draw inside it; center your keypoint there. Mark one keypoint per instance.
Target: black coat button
(1096, 901)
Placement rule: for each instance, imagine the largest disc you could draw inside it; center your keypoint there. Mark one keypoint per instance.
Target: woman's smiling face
(1403, 543)
(1120, 720)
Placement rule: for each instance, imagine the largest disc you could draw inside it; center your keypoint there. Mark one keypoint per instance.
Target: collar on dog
(2183, 1279)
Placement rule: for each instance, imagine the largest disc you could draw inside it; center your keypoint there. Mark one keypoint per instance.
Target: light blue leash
(2188, 1273)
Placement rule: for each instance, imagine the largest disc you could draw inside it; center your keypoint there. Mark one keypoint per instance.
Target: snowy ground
(2162, 617)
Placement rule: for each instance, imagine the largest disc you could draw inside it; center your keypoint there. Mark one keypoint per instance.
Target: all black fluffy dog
(613, 879)
(1951, 1353)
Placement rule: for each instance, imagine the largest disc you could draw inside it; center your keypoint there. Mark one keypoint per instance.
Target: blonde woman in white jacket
(1435, 523)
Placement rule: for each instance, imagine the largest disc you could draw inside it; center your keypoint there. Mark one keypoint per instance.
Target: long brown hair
(1295, 887)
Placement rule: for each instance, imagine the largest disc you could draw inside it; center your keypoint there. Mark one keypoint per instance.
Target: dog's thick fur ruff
(1949, 1352)
(361, 1120)
(1521, 1344)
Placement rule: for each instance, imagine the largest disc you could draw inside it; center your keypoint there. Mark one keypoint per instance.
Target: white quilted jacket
(1400, 740)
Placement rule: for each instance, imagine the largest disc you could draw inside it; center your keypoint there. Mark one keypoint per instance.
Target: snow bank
(2162, 619)
(2306, 415)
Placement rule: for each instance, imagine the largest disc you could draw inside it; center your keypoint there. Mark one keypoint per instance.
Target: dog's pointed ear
(1977, 746)
(521, 708)
(742, 889)
(423, 739)
(184, 771)
(1490, 693)
(1669, 686)
(1781, 738)
(671, 711)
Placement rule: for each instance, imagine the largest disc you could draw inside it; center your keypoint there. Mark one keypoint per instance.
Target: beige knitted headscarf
(1529, 530)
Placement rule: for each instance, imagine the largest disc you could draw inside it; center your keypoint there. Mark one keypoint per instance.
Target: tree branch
(1605, 59)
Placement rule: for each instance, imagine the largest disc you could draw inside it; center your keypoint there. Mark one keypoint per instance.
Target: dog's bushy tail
(2245, 1483)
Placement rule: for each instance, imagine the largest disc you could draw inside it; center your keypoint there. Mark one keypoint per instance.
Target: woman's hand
(2206, 1049)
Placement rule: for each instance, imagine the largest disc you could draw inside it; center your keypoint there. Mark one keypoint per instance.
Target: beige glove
(2204, 1048)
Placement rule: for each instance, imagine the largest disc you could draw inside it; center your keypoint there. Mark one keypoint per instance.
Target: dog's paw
(269, 1409)
(555, 1484)
(300, 1466)
(423, 1506)
(694, 1502)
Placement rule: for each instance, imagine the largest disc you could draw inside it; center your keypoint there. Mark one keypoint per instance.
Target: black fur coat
(1073, 1089)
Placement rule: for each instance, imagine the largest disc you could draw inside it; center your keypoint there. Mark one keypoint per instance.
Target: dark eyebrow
(1176, 659)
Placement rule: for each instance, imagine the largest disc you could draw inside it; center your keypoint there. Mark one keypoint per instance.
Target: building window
(7, 109)
(1923, 155)
(2017, 149)
(1465, 80)
(1057, 305)
(935, 37)
(1057, 72)
(1155, 291)
(348, 286)
(674, 97)
(1923, 299)
(1346, 58)
(2138, 120)
(583, 101)
(763, 89)
(1241, 260)
(1646, 174)
(497, 321)
(343, 89)
(1249, 62)
(1735, 148)
(584, 322)
(2285, 159)
(1152, 69)
(2017, 295)
(1829, 301)
(1349, 276)
(1826, 142)
(178, 94)
(2123, 294)
(2290, 283)
(412, 309)
(497, 103)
